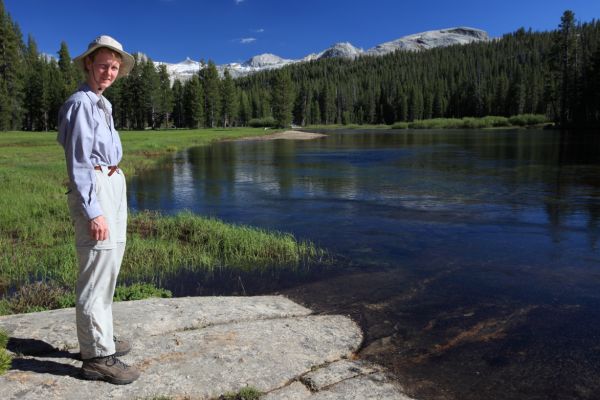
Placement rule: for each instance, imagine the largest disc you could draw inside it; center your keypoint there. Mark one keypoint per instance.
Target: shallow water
(474, 260)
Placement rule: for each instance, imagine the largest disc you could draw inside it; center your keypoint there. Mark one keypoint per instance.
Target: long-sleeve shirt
(88, 136)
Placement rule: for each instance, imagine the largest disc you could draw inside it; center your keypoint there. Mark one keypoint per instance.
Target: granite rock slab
(198, 348)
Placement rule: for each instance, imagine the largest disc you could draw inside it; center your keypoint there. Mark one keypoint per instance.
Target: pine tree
(245, 111)
(565, 56)
(116, 95)
(230, 100)
(328, 103)
(301, 106)
(193, 103)
(165, 97)
(209, 79)
(55, 93)
(11, 72)
(70, 75)
(178, 110)
(283, 98)
(36, 89)
(150, 93)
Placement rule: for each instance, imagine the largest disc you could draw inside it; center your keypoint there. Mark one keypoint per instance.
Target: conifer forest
(556, 73)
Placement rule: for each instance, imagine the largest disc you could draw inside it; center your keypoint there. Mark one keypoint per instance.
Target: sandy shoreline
(286, 135)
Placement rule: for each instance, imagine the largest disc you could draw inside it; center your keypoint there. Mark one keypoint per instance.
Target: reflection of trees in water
(523, 170)
(213, 169)
(576, 169)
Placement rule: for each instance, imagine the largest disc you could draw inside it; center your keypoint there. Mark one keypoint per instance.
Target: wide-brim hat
(127, 60)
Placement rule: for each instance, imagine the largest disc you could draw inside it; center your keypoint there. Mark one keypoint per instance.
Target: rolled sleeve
(76, 134)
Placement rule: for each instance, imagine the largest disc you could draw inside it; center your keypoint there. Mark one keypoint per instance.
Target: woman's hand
(99, 228)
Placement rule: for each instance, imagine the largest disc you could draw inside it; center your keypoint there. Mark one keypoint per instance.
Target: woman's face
(103, 70)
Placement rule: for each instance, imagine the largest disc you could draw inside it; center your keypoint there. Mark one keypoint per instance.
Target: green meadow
(36, 234)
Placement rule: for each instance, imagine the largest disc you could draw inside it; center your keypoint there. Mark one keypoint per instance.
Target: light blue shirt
(89, 139)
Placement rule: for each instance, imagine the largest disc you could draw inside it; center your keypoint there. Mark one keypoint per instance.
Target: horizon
(241, 29)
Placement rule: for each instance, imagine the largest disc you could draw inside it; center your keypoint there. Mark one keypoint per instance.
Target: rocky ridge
(415, 42)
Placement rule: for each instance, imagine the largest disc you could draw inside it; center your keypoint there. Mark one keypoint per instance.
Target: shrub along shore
(36, 234)
(491, 121)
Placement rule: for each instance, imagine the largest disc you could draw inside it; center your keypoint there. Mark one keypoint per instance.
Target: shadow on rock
(36, 347)
(45, 367)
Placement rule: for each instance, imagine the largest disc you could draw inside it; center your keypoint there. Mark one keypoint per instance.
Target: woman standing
(98, 206)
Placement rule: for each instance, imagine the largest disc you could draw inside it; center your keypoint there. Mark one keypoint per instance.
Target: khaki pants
(99, 264)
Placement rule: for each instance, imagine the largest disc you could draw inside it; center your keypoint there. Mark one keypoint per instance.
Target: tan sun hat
(127, 61)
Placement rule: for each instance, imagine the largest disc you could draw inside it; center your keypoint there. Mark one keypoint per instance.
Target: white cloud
(239, 2)
(259, 30)
(247, 40)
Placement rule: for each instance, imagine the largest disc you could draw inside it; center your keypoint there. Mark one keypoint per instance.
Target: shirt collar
(93, 96)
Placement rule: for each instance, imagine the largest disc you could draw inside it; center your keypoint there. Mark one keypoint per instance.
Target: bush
(496, 121)
(528, 119)
(268, 122)
(400, 125)
(437, 123)
(39, 296)
(474, 123)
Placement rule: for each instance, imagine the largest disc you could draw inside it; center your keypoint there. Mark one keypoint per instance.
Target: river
(470, 258)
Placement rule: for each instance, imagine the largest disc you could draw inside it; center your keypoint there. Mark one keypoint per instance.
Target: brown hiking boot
(109, 369)
(122, 347)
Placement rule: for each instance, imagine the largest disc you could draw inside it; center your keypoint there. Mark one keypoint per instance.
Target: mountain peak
(430, 39)
(342, 50)
(263, 60)
(189, 61)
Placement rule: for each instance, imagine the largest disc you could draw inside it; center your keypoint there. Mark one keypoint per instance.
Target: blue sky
(234, 30)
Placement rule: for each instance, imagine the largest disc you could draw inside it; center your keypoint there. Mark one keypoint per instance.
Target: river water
(470, 258)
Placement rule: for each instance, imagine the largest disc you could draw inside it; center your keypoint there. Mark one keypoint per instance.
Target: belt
(111, 168)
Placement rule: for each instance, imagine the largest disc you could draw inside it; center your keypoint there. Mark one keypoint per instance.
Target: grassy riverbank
(36, 235)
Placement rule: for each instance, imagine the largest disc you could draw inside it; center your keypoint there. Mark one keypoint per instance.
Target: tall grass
(205, 243)
(36, 234)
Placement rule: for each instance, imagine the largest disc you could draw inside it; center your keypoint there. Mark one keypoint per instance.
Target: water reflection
(374, 187)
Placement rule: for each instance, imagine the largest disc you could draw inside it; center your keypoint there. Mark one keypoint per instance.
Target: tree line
(555, 73)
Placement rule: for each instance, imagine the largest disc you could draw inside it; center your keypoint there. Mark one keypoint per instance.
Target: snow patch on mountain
(183, 70)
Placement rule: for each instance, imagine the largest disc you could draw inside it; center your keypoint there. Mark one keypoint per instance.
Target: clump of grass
(247, 393)
(5, 358)
(140, 291)
(159, 246)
